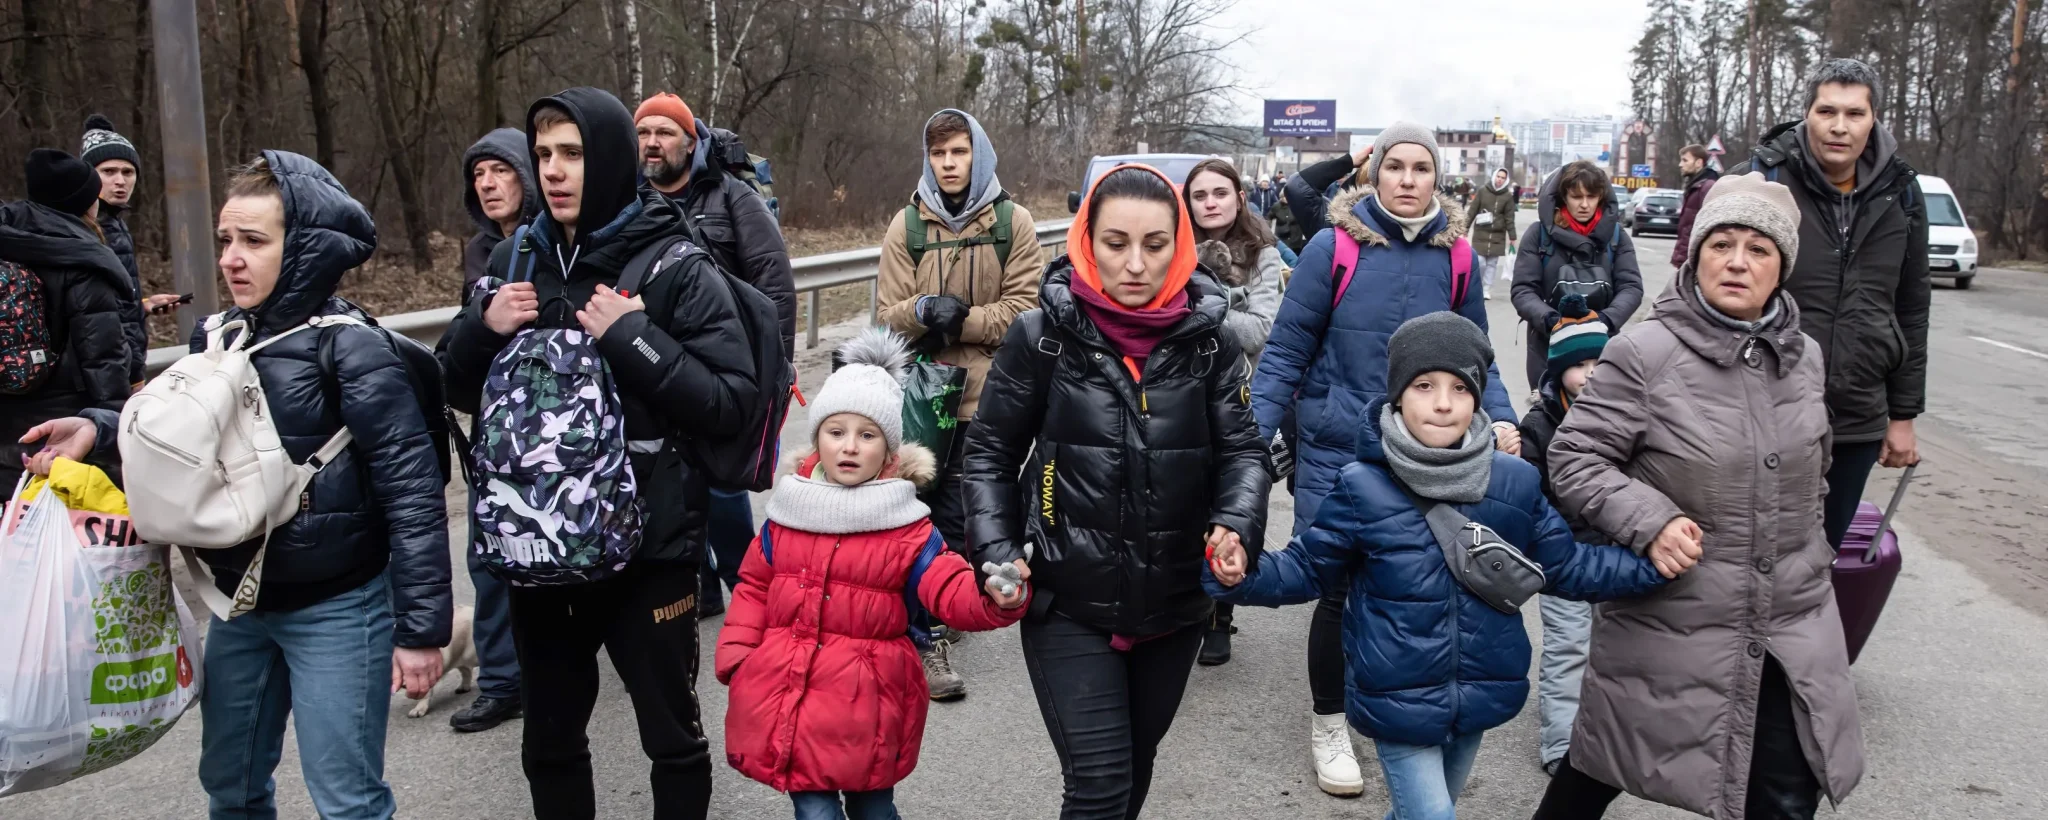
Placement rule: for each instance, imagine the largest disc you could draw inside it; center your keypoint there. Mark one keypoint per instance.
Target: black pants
(1846, 477)
(947, 498)
(1106, 710)
(729, 531)
(646, 618)
(1781, 784)
(1326, 654)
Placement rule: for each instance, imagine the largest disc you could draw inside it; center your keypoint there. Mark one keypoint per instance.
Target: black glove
(943, 313)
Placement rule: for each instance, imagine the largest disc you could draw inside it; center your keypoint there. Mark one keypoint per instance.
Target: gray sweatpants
(1567, 628)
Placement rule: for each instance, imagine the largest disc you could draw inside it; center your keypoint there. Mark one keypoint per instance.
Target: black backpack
(746, 461)
(1592, 282)
(423, 370)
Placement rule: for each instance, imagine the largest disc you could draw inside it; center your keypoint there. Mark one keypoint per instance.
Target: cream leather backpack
(202, 462)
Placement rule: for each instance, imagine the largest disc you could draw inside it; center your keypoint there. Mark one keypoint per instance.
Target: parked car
(1656, 213)
(1635, 200)
(1951, 245)
(1174, 166)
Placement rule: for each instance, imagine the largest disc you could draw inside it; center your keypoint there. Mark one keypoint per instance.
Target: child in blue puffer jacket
(1431, 666)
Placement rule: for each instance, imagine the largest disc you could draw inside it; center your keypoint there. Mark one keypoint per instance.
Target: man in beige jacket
(955, 293)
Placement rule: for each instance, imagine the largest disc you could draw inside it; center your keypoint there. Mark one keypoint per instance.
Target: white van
(1951, 247)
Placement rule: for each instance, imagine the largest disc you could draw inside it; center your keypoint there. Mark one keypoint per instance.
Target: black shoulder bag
(1491, 569)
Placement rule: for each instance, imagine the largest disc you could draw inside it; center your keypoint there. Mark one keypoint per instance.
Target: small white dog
(458, 656)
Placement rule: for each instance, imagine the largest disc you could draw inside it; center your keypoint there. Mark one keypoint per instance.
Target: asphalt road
(1950, 686)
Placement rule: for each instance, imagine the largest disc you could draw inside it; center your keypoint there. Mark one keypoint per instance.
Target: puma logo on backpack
(207, 468)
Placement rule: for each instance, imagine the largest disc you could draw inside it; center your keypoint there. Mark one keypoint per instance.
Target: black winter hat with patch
(1438, 341)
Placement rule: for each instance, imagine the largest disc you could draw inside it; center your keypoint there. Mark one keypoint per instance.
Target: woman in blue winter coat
(1431, 666)
(1327, 360)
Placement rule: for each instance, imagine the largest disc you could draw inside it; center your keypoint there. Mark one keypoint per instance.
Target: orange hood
(1081, 248)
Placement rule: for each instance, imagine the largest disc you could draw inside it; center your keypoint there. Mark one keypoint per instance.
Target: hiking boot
(1216, 642)
(945, 683)
(485, 713)
(1336, 761)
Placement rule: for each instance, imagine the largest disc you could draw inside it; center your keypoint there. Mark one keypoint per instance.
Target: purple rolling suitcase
(1866, 568)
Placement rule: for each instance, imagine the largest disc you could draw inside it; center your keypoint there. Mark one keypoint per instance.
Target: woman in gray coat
(1703, 438)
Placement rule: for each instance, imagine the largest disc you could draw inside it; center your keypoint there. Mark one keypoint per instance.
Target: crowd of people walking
(622, 355)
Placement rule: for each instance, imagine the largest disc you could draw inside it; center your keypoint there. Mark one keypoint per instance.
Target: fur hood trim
(915, 463)
(1343, 217)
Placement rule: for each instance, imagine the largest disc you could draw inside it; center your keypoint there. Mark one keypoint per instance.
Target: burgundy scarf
(1134, 333)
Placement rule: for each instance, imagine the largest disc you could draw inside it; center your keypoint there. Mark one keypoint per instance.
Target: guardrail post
(811, 310)
(874, 301)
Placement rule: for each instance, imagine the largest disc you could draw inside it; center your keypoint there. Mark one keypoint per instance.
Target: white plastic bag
(47, 589)
(111, 658)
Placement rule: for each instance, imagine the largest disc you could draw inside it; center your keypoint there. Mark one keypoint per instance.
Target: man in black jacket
(681, 361)
(683, 158)
(1865, 301)
(1699, 178)
(87, 299)
(114, 157)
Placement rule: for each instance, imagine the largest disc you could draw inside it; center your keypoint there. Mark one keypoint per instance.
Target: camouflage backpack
(555, 497)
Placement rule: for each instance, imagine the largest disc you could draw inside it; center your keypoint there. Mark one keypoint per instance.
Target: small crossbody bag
(1491, 569)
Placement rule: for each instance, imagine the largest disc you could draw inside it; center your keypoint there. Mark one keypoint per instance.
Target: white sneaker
(1486, 293)
(1335, 758)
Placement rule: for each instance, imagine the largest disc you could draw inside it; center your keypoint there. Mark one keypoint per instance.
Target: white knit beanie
(869, 382)
(1753, 202)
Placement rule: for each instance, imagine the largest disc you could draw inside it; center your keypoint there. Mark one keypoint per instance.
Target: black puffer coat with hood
(506, 145)
(1116, 484)
(1861, 282)
(381, 502)
(135, 322)
(734, 223)
(1535, 275)
(86, 299)
(699, 378)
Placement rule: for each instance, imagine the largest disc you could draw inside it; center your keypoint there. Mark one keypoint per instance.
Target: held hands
(1901, 447)
(1226, 555)
(415, 669)
(71, 437)
(1677, 548)
(1006, 582)
(1507, 438)
(605, 307)
(514, 305)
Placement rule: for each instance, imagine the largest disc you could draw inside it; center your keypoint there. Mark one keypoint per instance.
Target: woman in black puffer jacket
(1132, 403)
(86, 294)
(354, 597)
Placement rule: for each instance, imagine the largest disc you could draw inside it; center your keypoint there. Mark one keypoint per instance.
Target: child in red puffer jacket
(828, 692)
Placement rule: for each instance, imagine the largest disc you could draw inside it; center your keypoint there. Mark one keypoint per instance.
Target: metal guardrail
(813, 274)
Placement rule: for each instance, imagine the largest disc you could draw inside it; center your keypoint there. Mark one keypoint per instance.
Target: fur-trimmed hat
(868, 381)
(101, 143)
(1753, 202)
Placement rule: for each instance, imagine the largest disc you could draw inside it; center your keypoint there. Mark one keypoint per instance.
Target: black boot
(485, 713)
(1216, 642)
(710, 595)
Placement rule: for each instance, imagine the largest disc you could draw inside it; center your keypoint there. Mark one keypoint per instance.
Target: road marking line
(2014, 348)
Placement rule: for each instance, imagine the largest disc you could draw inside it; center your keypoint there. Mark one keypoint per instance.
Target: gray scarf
(1769, 318)
(1455, 474)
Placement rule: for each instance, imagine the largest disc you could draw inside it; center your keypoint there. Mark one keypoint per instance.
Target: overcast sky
(1439, 62)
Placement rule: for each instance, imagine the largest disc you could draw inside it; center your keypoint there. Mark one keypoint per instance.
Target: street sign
(1301, 118)
(1714, 146)
(1640, 170)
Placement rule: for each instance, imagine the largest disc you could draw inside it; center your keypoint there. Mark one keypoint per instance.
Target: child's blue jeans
(874, 805)
(1423, 781)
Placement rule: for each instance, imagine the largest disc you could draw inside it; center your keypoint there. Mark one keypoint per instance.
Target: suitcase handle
(1884, 526)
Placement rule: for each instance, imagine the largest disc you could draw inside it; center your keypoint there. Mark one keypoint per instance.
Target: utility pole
(1755, 46)
(188, 195)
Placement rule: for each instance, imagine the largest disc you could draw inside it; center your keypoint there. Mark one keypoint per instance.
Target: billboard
(1301, 118)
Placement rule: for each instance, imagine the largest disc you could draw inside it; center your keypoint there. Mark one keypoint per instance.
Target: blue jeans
(497, 674)
(874, 805)
(328, 668)
(1567, 631)
(1423, 781)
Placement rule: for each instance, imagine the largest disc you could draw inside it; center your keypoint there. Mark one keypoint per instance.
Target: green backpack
(915, 234)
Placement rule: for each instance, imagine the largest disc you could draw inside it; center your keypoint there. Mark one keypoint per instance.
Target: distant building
(1470, 154)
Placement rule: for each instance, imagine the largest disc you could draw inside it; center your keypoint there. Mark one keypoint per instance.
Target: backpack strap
(914, 238)
(1004, 207)
(521, 250)
(767, 546)
(1343, 263)
(1461, 271)
(920, 623)
(646, 264)
(1613, 239)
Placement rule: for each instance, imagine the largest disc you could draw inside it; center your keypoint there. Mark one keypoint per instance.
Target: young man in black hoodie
(681, 362)
(499, 190)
